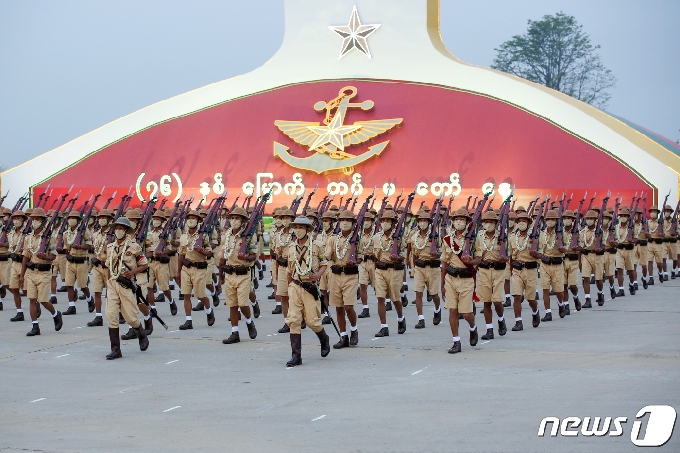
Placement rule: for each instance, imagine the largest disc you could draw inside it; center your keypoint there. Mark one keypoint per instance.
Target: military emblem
(328, 143)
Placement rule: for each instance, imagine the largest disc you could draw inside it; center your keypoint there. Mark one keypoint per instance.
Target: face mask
(605, 221)
(300, 233)
(459, 225)
(489, 227)
(103, 222)
(551, 223)
(72, 222)
(653, 215)
(277, 222)
(17, 222)
(667, 215)
(423, 225)
(36, 224)
(120, 233)
(326, 224)
(133, 224)
(568, 222)
(522, 226)
(156, 223)
(191, 223)
(386, 225)
(590, 222)
(511, 223)
(624, 219)
(367, 224)
(285, 222)
(345, 225)
(235, 222)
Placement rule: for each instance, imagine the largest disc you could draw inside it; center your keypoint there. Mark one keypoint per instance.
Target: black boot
(536, 319)
(567, 310)
(35, 330)
(18, 317)
(252, 331)
(270, 285)
(518, 326)
(96, 322)
(600, 299)
(256, 310)
(421, 324)
(474, 337)
(612, 292)
(272, 296)
(437, 318)
(3, 291)
(587, 304)
(121, 320)
(148, 325)
(592, 279)
(188, 325)
(577, 304)
(547, 317)
(115, 345)
(401, 326)
(507, 302)
(260, 274)
(160, 298)
(650, 281)
(58, 321)
(199, 307)
(502, 328)
(455, 348)
(211, 318)
(233, 338)
(326, 319)
(325, 342)
(388, 306)
(621, 293)
(429, 297)
(560, 311)
(631, 288)
(383, 332)
(256, 284)
(342, 343)
(404, 301)
(173, 308)
(645, 285)
(296, 348)
(71, 310)
(303, 324)
(63, 289)
(277, 310)
(216, 299)
(364, 313)
(354, 337)
(284, 329)
(130, 335)
(143, 340)
(488, 335)
(90, 305)
(53, 300)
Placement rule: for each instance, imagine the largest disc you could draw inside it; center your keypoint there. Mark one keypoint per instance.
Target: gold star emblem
(333, 133)
(354, 35)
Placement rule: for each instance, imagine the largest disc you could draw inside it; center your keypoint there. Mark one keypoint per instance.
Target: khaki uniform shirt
(586, 238)
(99, 243)
(653, 226)
(31, 246)
(186, 247)
(382, 247)
(124, 257)
(487, 249)
(283, 243)
(300, 255)
(14, 238)
(516, 241)
(546, 240)
(450, 256)
(331, 249)
(231, 244)
(70, 236)
(366, 243)
(417, 241)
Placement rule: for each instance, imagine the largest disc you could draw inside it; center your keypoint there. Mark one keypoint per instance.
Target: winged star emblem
(327, 140)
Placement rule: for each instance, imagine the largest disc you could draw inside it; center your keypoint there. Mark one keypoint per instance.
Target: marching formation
(328, 256)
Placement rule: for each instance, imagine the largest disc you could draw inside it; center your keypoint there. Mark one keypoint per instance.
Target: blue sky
(69, 67)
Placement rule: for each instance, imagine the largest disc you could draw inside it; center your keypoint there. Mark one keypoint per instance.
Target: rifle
(560, 225)
(659, 229)
(143, 225)
(491, 202)
(206, 226)
(569, 201)
(162, 238)
(255, 217)
(598, 226)
(37, 204)
(127, 197)
(446, 218)
(296, 204)
(631, 220)
(62, 227)
(674, 220)
(467, 205)
(8, 223)
(358, 227)
(47, 231)
(383, 203)
(434, 229)
(503, 225)
(535, 230)
(44, 203)
(590, 205)
(397, 201)
(309, 197)
(472, 229)
(615, 219)
(530, 209)
(83, 223)
(643, 217)
(354, 203)
(399, 230)
(2, 200)
(575, 226)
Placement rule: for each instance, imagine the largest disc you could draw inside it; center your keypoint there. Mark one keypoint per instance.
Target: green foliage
(555, 52)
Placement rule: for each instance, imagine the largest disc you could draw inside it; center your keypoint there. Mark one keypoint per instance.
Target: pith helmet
(328, 215)
(302, 220)
(522, 215)
(38, 212)
(287, 213)
(490, 215)
(569, 213)
(346, 215)
(124, 221)
(654, 208)
(72, 215)
(551, 215)
(19, 213)
(105, 213)
(388, 214)
(461, 212)
(132, 214)
(239, 211)
(591, 214)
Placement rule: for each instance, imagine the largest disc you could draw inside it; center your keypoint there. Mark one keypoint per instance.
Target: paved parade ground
(401, 393)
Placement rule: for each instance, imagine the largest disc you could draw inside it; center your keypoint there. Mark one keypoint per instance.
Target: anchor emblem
(327, 141)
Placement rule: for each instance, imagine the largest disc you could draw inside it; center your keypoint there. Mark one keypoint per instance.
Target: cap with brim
(607, 214)
(369, 216)
(73, 215)
(132, 214)
(461, 212)
(520, 208)
(490, 215)
(311, 213)
(19, 213)
(105, 213)
(303, 221)
(346, 215)
(624, 211)
(160, 215)
(551, 215)
(328, 215)
(654, 208)
(591, 214)
(388, 214)
(287, 213)
(522, 215)
(239, 211)
(124, 221)
(569, 213)
(424, 216)
(668, 208)
(512, 216)
(38, 212)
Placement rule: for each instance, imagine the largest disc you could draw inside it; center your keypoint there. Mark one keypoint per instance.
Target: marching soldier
(125, 260)
(306, 265)
(237, 267)
(159, 262)
(11, 259)
(274, 228)
(100, 273)
(641, 249)
(36, 273)
(367, 265)
(327, 228)
(59, 265)
(283, 241)
(655, 245)
(76, 266)
(457, 282)
(571, 262)
(551, 256)
(343, 285)
(512, 218)
(524, 265)
(388, 273)
(490, 275)
(592, 260)
(609, 262)
(671, 242)
(193, 261)
(427, 268)
(625, 253)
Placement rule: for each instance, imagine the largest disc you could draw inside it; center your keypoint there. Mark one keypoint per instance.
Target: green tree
(555, 52)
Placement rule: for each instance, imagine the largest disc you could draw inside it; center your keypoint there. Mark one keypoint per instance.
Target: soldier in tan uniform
(641, 250)
(571, 260)
(388, 272)
(274, 229)
(625, 253)
(367, 265)
(655, 247)
(306, 265)
(12, 259)
(592, 260)
(671, 243)
(327, 227)
(609, 251)
(512, 220)
(59, 265)
(458, 283)
(159, 262)
(124, 260)
(237, 266)
(491, 273)
(524, 265)
(343, 285)
(5, 263)
(100, 273)
(76, 266)
(427, 268)
(283, 240)
(36, 273)
(551, 256)
(193, 261)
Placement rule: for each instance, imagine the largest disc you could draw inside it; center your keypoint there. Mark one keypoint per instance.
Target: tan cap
(133, 214)
(160, 215)
(346, 215)
(551, 215)
(668, 208)
(512, 216)
(287, 213)
(19, 213)
(523, 215)
(328, 215)
(624, 211)
(105, 213)
(654, 208)
(520, 209)
(194, 213)
(591, 214)
(388, 214)
(490, 215)
(239, 211)
(71, 215)
(569, 213)
(461, 212)
(38, 212)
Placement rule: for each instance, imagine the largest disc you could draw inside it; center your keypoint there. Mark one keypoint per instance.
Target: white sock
(278, 303)
(501, 319)
(53, 295)
(534, 312)
(383, 325)
(402, 318)
(208, 310)
(587, 296)
(253, 303)
(71, 304)
(507, 296)
(234, 329)
(20, 310)
(473, 328)
(437, 310)
(36, 321)
(489, 326)
(518, 318)
(343, 334)
(456, 339)
(600, 292)
(421, 317)
(388, 301)
(147, 317)
(157, 293)
(402, 294)
(152, 306)
(188, 318)
(548, 310)
(353, 328)
(249, 321)
(56, 312)
(172, 301)
(99, 315)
